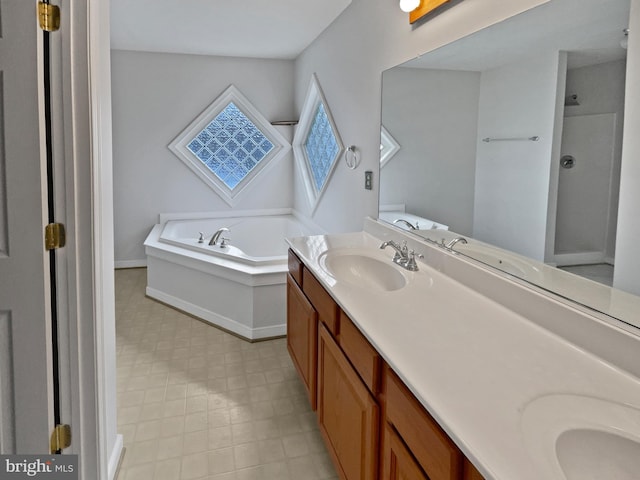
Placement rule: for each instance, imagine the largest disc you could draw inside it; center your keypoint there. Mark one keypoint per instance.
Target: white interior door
(26, 412)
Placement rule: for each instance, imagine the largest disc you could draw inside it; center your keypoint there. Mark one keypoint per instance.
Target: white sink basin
(512, 264)
(595, 454)
(574, 437)
(362, 270)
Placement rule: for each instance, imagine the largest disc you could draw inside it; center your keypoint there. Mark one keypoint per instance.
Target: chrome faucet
(451, 244)
(407, 223)
(404, 257)
(216, 236)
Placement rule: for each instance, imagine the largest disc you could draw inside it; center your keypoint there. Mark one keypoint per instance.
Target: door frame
(86, 278)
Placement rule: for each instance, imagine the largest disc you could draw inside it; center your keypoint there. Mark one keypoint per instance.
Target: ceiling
(239, 28)
(590, 30)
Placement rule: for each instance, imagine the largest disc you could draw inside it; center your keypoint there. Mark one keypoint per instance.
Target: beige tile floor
(599, 272)
(197, 403)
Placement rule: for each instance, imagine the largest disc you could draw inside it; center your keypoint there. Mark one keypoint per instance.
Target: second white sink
(577, 437)
(512, 264)
(587, 454)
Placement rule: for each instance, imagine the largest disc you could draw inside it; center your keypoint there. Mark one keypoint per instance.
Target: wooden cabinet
(302, 329)
(398, 462)
(433, 449)
(302, 337)
(347, 413)
(372, 424)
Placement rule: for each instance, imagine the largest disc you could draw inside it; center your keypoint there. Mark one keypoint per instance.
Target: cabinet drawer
(360, 353)
(295, 267)
(328, 311)
(432, 448)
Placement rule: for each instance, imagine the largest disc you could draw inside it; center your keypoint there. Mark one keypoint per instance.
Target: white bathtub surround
(241, 287)
(418, 222)
(479, 350)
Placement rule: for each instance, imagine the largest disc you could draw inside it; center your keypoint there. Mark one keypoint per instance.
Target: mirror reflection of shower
(589, 169)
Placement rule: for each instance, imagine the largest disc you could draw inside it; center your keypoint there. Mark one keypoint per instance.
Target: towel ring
(351, 157)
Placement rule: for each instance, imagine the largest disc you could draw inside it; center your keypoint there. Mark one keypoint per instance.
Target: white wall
(369, 37)
(433, 115)
(512, 178)
(155, 96)
(627, 259)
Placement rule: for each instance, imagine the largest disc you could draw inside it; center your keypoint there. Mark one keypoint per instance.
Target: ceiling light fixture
(409, 5)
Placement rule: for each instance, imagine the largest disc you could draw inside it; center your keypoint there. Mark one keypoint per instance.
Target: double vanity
(454, 371)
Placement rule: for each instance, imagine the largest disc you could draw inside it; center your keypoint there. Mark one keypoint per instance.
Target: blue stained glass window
(230, 146)
(321, 147)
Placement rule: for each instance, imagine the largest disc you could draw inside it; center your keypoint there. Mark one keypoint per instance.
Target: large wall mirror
(512, 138)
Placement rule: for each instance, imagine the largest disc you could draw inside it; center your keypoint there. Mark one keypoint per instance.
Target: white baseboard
(130, 263)
(585, 258)
(218, 320)
(115, 457)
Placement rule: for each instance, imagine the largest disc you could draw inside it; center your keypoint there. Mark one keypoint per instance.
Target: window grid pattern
(321, 147)
(230, 146)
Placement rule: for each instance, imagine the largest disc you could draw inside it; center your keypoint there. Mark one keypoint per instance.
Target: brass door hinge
(60, 438)
(49, 17)
(54, 236)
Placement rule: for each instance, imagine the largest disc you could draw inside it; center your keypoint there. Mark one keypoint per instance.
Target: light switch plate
(368, 180)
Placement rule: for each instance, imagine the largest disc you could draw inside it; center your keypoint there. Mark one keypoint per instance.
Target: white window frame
(179, 146)
(313, 99)
(388, 146)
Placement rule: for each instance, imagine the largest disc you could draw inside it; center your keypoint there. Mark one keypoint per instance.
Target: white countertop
(474, 364)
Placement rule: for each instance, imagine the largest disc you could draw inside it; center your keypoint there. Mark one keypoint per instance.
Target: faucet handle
(201, 237)
(401, 253)
(411, 261)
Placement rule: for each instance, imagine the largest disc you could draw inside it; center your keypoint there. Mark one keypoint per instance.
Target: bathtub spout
(216, 236)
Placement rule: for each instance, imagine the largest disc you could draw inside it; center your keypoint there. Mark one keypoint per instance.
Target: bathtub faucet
(407, 223)
(216, 236)
(451, 244)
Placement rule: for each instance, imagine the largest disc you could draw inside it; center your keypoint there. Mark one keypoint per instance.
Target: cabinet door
(398, 463)
(470, 472)
(347, 413)
(302, 337)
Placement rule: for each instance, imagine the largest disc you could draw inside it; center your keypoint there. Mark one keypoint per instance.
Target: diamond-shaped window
(388, 146)
(321, 147)
(317, 144)
(229, 144)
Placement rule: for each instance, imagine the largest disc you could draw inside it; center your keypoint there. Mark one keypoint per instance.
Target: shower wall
(584, 190)
(588, 193)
